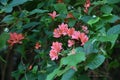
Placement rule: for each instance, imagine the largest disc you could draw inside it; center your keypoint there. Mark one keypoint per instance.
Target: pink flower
(76, 35)
(15, 38)
(53, 54)
(53, 15)
(60, 1)
(56, 46)
(57, 33)
(87, 5)
(71, 43)
(71, 31)
(83, 38)
(70, 15)
(37, 45)
(63, 28)
(85, 29)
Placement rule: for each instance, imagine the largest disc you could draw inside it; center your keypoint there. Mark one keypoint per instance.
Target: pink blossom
(85, 29)
(87, 5)
(57, 46)
(71, 43)
(53, 54)
(53, 14)
(76, 35)
(70, 15)
(83, 38)
(71, 31)
(37, 45)
(57, 33)
(60, 1)
(63, 28)
(15, 38)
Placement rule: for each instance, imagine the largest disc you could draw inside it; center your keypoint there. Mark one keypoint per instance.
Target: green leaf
(17, 2)
(51, 75)
(74, 59)
(12, 4)
(89, 47)
(86, 18)
(114, 30)
(106, 9)
(95, 62)
(4, 2)
(113, 1)
(71, 60)
(41, 77)
(35, 68)
(7, 9)
(8, 18)
(3, 39)
(93, 20)
(110, 18)
(71, 23)
(31, 24)
(61, 8)
(108, 38)
(38, 11)
(68, 75)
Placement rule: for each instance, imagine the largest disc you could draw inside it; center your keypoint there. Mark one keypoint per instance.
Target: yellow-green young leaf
(3, 39)
(93, 20)
(52, 75)
(71, 60)
(74, 59)
(108, 38)
(95, 62)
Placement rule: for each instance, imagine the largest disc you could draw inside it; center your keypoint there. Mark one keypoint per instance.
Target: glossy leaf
(61, 8)
(108, 38)
(114, 30)
(32, 24)
(74, 59)
(68, 75)
(93, 20)
(106, 9)
(8, 18)
(96, 62)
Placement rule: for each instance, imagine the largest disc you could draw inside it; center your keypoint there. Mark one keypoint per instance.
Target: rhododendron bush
(59, 39)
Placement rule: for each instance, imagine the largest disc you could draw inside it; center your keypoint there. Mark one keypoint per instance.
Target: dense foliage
(59, 39)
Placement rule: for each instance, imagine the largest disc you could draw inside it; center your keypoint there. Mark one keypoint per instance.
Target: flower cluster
(71, 32)
(55, 49)
(63, 30)
(15, 38)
